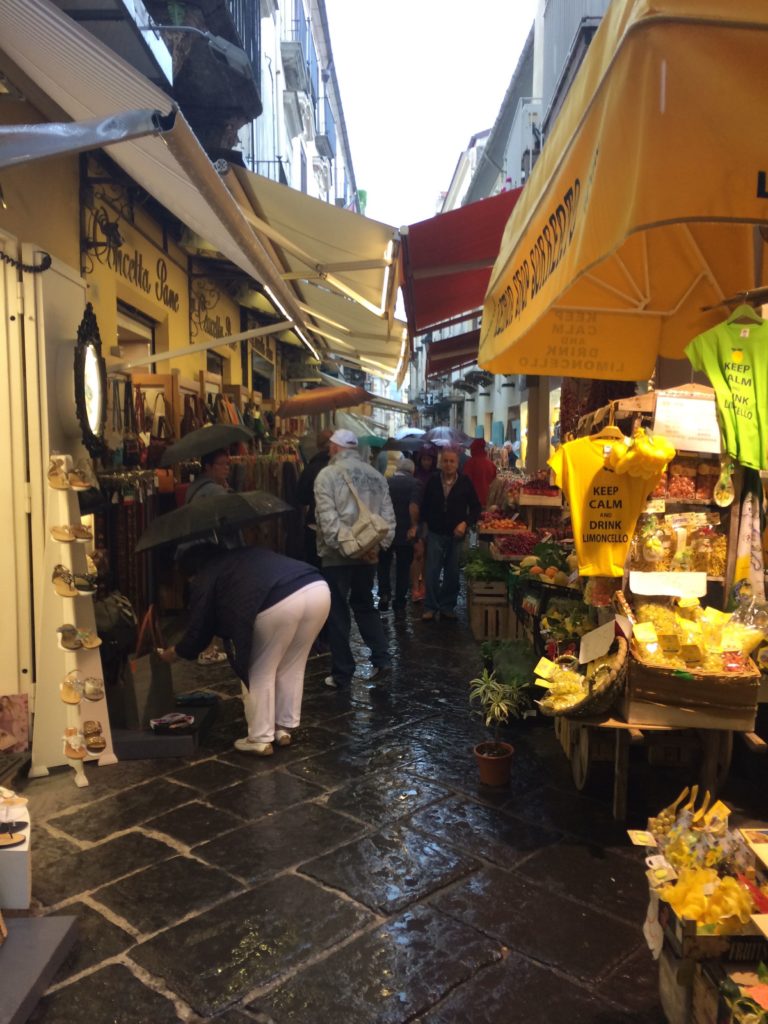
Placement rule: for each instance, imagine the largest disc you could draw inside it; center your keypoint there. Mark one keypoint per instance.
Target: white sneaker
(282, 737)
(248, 746)
(331, 682)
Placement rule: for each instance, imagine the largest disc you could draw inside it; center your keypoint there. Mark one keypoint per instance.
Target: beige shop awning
(88, 80)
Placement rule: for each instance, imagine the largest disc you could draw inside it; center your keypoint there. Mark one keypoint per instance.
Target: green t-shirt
(735, 358)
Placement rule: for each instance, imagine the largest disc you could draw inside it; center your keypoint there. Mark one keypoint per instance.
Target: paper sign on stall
(597, 643)
(668, 584)
(761, 920)
(688, 419)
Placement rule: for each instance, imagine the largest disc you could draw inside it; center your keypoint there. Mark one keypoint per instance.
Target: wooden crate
(705, 997)
(489, 618)
(674, 988)
(487, 588)
(685, 700)
(681, 937)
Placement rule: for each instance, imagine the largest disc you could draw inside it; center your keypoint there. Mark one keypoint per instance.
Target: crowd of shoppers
(270, 609)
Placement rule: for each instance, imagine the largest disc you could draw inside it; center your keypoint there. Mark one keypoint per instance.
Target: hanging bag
(131, 443)
(161, 433)
(149, 683)
(190, 420)
(368, 530)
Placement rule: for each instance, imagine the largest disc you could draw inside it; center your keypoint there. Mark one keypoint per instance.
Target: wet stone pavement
(361, 876)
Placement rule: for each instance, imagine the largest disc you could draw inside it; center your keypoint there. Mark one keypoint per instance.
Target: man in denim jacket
(350, 580)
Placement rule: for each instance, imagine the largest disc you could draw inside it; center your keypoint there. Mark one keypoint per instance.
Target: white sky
(418, 78)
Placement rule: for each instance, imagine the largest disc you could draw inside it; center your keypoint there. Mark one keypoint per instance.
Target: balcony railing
(246, 15)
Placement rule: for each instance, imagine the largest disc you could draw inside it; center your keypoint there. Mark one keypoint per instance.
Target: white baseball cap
(344, 439)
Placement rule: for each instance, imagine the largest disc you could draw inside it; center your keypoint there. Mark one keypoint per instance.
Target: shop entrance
(135, 336)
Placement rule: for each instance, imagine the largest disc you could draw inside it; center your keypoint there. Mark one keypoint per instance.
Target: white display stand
(52, 715)
(16, 865)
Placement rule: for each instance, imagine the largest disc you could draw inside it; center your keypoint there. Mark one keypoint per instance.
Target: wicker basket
(604, 691)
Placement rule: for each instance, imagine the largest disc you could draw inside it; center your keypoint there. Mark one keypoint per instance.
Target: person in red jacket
(480, 470)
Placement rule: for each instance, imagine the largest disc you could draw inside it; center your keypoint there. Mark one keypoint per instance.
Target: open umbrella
(446, 437)
(200, 442)
(317, 400)
(221, 514)
(648, 205)
(411, 432)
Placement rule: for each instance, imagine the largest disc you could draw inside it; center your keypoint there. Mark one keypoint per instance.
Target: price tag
(597, 642)
(639, 837)
(645, 632)
(545, 668)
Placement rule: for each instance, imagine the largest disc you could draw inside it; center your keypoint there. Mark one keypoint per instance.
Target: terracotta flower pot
(495, 768)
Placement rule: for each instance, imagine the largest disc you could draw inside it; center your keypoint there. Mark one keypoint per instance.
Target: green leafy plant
(480, 566)
(495, 702)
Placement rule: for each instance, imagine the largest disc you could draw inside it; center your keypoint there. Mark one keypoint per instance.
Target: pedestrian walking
(480, 470)
(404, 492)
(351, 579)
(269, 609)
(449, 507)
(305, 494)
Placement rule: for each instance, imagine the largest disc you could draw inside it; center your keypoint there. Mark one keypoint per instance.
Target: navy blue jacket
(230, 591)
(404, 491)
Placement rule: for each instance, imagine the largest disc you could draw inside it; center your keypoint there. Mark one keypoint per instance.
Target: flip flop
(84, 583)
(63, 534)
(77, 480)
(93, 688)
(63, 582)
(57, 478)
(70, 690)
(9, 839)
(69, 638)
(89, 640)
(80, 532)
(12, 826)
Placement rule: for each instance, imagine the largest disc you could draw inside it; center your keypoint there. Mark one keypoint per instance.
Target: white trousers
(282, 639)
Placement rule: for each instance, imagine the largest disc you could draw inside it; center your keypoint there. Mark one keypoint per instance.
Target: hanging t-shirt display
(605, 505)
(735, 358)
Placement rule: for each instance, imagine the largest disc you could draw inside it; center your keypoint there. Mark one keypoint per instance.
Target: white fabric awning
(88, 80)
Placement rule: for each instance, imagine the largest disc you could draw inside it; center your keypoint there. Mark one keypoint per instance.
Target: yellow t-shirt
(604, 506)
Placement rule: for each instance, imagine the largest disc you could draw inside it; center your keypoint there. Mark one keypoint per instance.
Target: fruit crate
(489, 618)
(487, 588)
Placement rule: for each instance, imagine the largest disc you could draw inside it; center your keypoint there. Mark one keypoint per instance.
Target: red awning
(447, 260)
(452, 353)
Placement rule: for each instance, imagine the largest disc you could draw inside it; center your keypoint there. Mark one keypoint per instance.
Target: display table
(608, 739)
(16, 867)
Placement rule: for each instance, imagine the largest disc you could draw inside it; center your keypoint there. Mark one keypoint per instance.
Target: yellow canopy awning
(649, 200)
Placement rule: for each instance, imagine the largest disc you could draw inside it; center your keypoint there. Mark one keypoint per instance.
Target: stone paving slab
(264, 794)
(194, 823)
(97, 939)
(385, 976)
(129, 1001)
(72, 873)
(592, 874)
(549, 928)
(162, 894)
(210, 775)
(391, 869)
(136, 805)
(384, 797)
(484, 831)
(291, 837)
(214, 960)
(351, 760)
(518, 990)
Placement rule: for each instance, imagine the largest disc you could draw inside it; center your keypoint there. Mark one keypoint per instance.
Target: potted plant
(487, 652)
(495, 702)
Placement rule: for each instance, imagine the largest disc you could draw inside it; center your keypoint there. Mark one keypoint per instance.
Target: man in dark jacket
(404, 491)
(305, 494)
(449, 506)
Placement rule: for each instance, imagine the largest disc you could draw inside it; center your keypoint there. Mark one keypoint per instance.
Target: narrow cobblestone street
(361, 875)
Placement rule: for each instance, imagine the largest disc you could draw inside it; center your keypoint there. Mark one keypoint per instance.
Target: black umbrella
(200, 442)
(223, 513)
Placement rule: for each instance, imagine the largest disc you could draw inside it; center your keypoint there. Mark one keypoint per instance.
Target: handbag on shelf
(190, 420)
(131, 442)
(161, 432)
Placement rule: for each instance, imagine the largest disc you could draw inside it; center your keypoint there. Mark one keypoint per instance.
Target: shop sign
(212, 312)
(688, 419)
(127, 261)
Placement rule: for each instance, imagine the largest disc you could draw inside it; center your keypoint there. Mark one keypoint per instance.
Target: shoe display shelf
(56, 720)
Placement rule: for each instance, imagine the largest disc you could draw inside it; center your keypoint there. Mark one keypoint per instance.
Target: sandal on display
(78, 480)
(57, 478)
(11, 839)
(94, 739)
(73, 744)
(89, 640)
(80, 532)
(93, 688)
(71, 688)
(69, 638)
(63, 534)
(64, 582)
(12, 826)
(14, 801)
(84, 583)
